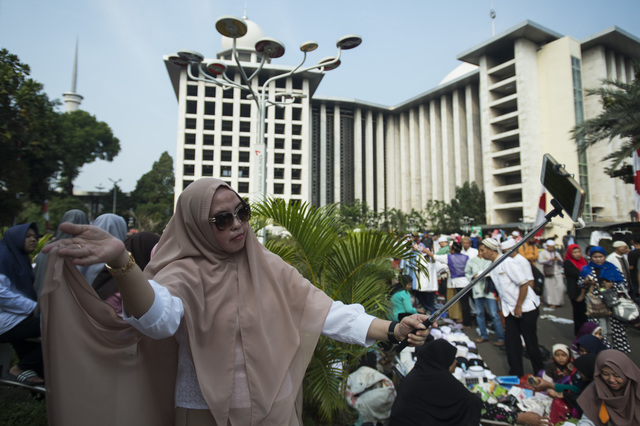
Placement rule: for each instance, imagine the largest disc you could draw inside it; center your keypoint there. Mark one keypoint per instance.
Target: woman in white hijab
(551, 261)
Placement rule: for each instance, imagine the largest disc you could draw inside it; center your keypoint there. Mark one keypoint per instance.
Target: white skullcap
(443, 239)
(491, 243)
(515, 233)
(619, 243)
(507, 244)
(549, 243)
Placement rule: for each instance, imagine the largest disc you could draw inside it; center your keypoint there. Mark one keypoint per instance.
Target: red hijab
(581, 263)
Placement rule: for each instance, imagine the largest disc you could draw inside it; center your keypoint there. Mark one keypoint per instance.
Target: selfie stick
(557, 210)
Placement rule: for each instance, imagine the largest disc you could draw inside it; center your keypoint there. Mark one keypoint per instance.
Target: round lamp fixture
(191, 56)
(308, 46)
(231, 26)
(215, 67)
(270, 47)
(177, 61)
(330, 66)
(349, 42)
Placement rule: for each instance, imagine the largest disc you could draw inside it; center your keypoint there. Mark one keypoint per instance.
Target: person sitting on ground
(401, 299)
(613, 398)
(18, 323)
(560, 369)
(431, 396)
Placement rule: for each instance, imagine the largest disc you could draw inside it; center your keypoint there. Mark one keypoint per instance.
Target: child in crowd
(560, 369)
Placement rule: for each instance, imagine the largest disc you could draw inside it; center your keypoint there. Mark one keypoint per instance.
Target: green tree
(620, 118)
(28, 150)
(85, 139)
(152, 199)
(346, 264)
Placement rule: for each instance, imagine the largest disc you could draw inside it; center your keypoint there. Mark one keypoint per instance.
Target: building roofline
(527, 29)
(614, 38)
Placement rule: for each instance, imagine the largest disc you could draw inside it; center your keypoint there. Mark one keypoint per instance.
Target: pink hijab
(252, 295)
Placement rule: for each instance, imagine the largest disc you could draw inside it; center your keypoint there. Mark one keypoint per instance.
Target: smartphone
(532, 380)
(563, 187)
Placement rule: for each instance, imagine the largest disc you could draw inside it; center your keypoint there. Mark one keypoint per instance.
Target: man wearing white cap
(524, 263)
(520, 310)
(443, 241)
(551, 261)
(619, 258)
(516, 236)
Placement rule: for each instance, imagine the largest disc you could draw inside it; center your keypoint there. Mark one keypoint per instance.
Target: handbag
(489, 286)
(596, 307)
(548, 269)
(625, 309)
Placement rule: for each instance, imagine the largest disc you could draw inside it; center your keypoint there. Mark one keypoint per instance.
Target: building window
(192, 90)
(228, 94)
(245, 141)
(295, 189)
(295, 174)
(186, 183)
(190, 123)
(207, 140)
(278, 158)
(209, 124)
(296, 144)
(282, 83)
(296, 159)
(225, 171)
(245, 126)
(243, 172)
(296, 114)
(296, 129)
(278, 173)
(279, 129)
(227, 126)
(226, 140)
(207, 170)
(243, 187)
(192, 107)
(245, 110)
(189, 138)
(278, 188)
(227, 110)
(243, 156)
(278, 143)
(297, 84)
(189, 154)
(207, 155)
(279, 113)
(188, 170)
(209, 108)
(225, 156)
(209, 92)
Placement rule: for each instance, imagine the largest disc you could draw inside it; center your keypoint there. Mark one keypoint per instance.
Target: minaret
(72, 100)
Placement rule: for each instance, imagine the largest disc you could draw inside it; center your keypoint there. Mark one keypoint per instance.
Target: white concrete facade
(490, 125)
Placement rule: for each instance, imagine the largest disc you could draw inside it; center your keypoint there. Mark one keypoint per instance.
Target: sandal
(26, 375)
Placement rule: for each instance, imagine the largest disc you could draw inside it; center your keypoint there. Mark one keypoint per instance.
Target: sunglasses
(225, 220)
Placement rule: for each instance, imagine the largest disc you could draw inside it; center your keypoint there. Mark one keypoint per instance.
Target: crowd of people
(203, 325)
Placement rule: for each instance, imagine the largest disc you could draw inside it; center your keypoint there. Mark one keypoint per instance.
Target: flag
(542, 207)
(45, 209)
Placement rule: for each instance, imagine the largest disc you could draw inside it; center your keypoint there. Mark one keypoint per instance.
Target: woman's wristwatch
(390, 333)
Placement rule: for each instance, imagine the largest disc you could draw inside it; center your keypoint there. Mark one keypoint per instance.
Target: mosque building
(513, 98)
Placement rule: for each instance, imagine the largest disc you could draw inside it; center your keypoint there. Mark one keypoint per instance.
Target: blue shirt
(14, 307)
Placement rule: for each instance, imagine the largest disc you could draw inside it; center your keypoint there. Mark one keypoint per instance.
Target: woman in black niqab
(431, 395)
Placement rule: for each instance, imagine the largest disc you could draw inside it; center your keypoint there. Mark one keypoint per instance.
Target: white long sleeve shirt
(344, 323)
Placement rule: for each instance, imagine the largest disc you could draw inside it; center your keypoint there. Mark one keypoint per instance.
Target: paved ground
(549, 333)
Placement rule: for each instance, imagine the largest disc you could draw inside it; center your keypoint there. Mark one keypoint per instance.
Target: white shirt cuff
(348, 324)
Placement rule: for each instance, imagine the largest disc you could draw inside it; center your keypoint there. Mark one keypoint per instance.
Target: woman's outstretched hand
(89, 245)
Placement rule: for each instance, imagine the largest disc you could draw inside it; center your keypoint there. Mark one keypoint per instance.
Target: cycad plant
(351, 266)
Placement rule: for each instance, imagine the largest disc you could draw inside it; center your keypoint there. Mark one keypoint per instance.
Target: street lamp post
(115, 183)
(214, 72)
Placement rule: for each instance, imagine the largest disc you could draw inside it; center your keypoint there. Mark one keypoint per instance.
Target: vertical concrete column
(460, 161)
(436, 150)
(383, 164)
(415, 187)
(324, 146)
(424, 162)
(448, 159)
(474, 138)
(358, 192)
(369, 166)
(337, 155)
(405, 158)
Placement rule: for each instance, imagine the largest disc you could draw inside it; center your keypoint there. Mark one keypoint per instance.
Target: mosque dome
(459, 71)
(248, 41)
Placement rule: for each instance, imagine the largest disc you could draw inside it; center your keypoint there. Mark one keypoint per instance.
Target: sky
(408, 47)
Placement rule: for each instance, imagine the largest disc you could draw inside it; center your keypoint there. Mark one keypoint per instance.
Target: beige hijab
(279, 313)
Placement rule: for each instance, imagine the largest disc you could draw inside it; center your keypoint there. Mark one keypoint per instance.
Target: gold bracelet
(118, 272)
